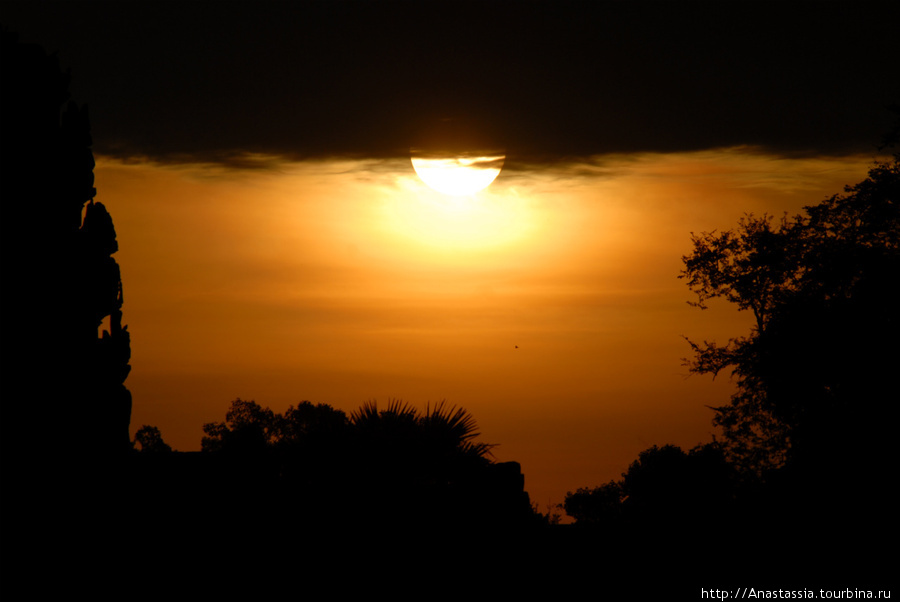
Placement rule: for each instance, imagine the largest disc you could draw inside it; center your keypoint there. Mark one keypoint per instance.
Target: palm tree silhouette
(441, 429)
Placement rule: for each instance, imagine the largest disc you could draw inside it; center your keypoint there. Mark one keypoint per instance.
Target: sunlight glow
(346, 280)
(494, 218)
(458, 176)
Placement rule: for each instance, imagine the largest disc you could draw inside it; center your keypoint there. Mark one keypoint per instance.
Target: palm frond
(441, 431)
(396, 408)
(454, 421)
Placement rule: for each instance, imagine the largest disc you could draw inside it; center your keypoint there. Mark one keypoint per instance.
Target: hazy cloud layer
(341, 282)
(210, 81)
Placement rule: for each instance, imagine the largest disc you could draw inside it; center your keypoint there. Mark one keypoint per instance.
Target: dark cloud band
(215, 81)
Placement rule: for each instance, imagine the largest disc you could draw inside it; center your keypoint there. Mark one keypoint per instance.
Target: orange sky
(340, 282)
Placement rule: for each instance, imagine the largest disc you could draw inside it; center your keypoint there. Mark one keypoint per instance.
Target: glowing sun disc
(460, 175)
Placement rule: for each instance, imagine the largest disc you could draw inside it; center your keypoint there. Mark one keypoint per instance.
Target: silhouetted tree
(313, 440)
(390, 466)
(665, 485)
(436, 446)
(596, 506)
(453, 430)
(248, 428)
(150, 440)
(814, 373)
(309, 422)
(664, 489)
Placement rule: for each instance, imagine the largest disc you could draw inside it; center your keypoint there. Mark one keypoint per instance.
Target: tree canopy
(251, 428)
(663, 488)
(393, 462)
(151, 441)
(824, 287)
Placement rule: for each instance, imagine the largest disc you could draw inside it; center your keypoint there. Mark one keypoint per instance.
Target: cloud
(211, 82)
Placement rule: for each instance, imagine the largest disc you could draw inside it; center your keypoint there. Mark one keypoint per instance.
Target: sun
(449, 204)
(461, 174)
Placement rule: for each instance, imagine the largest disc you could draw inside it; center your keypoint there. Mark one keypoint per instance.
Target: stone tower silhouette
(67, 353)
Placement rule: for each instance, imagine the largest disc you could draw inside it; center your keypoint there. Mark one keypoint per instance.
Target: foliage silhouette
(309, 421)
(248, 428)
(815, 382)
(453, 429)
(664, 489)
(434, 437)
(665, 484)
(150, 440)
(824, 290)
(599, 506)
(426, 462)
(398, 431)
(379, 466)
